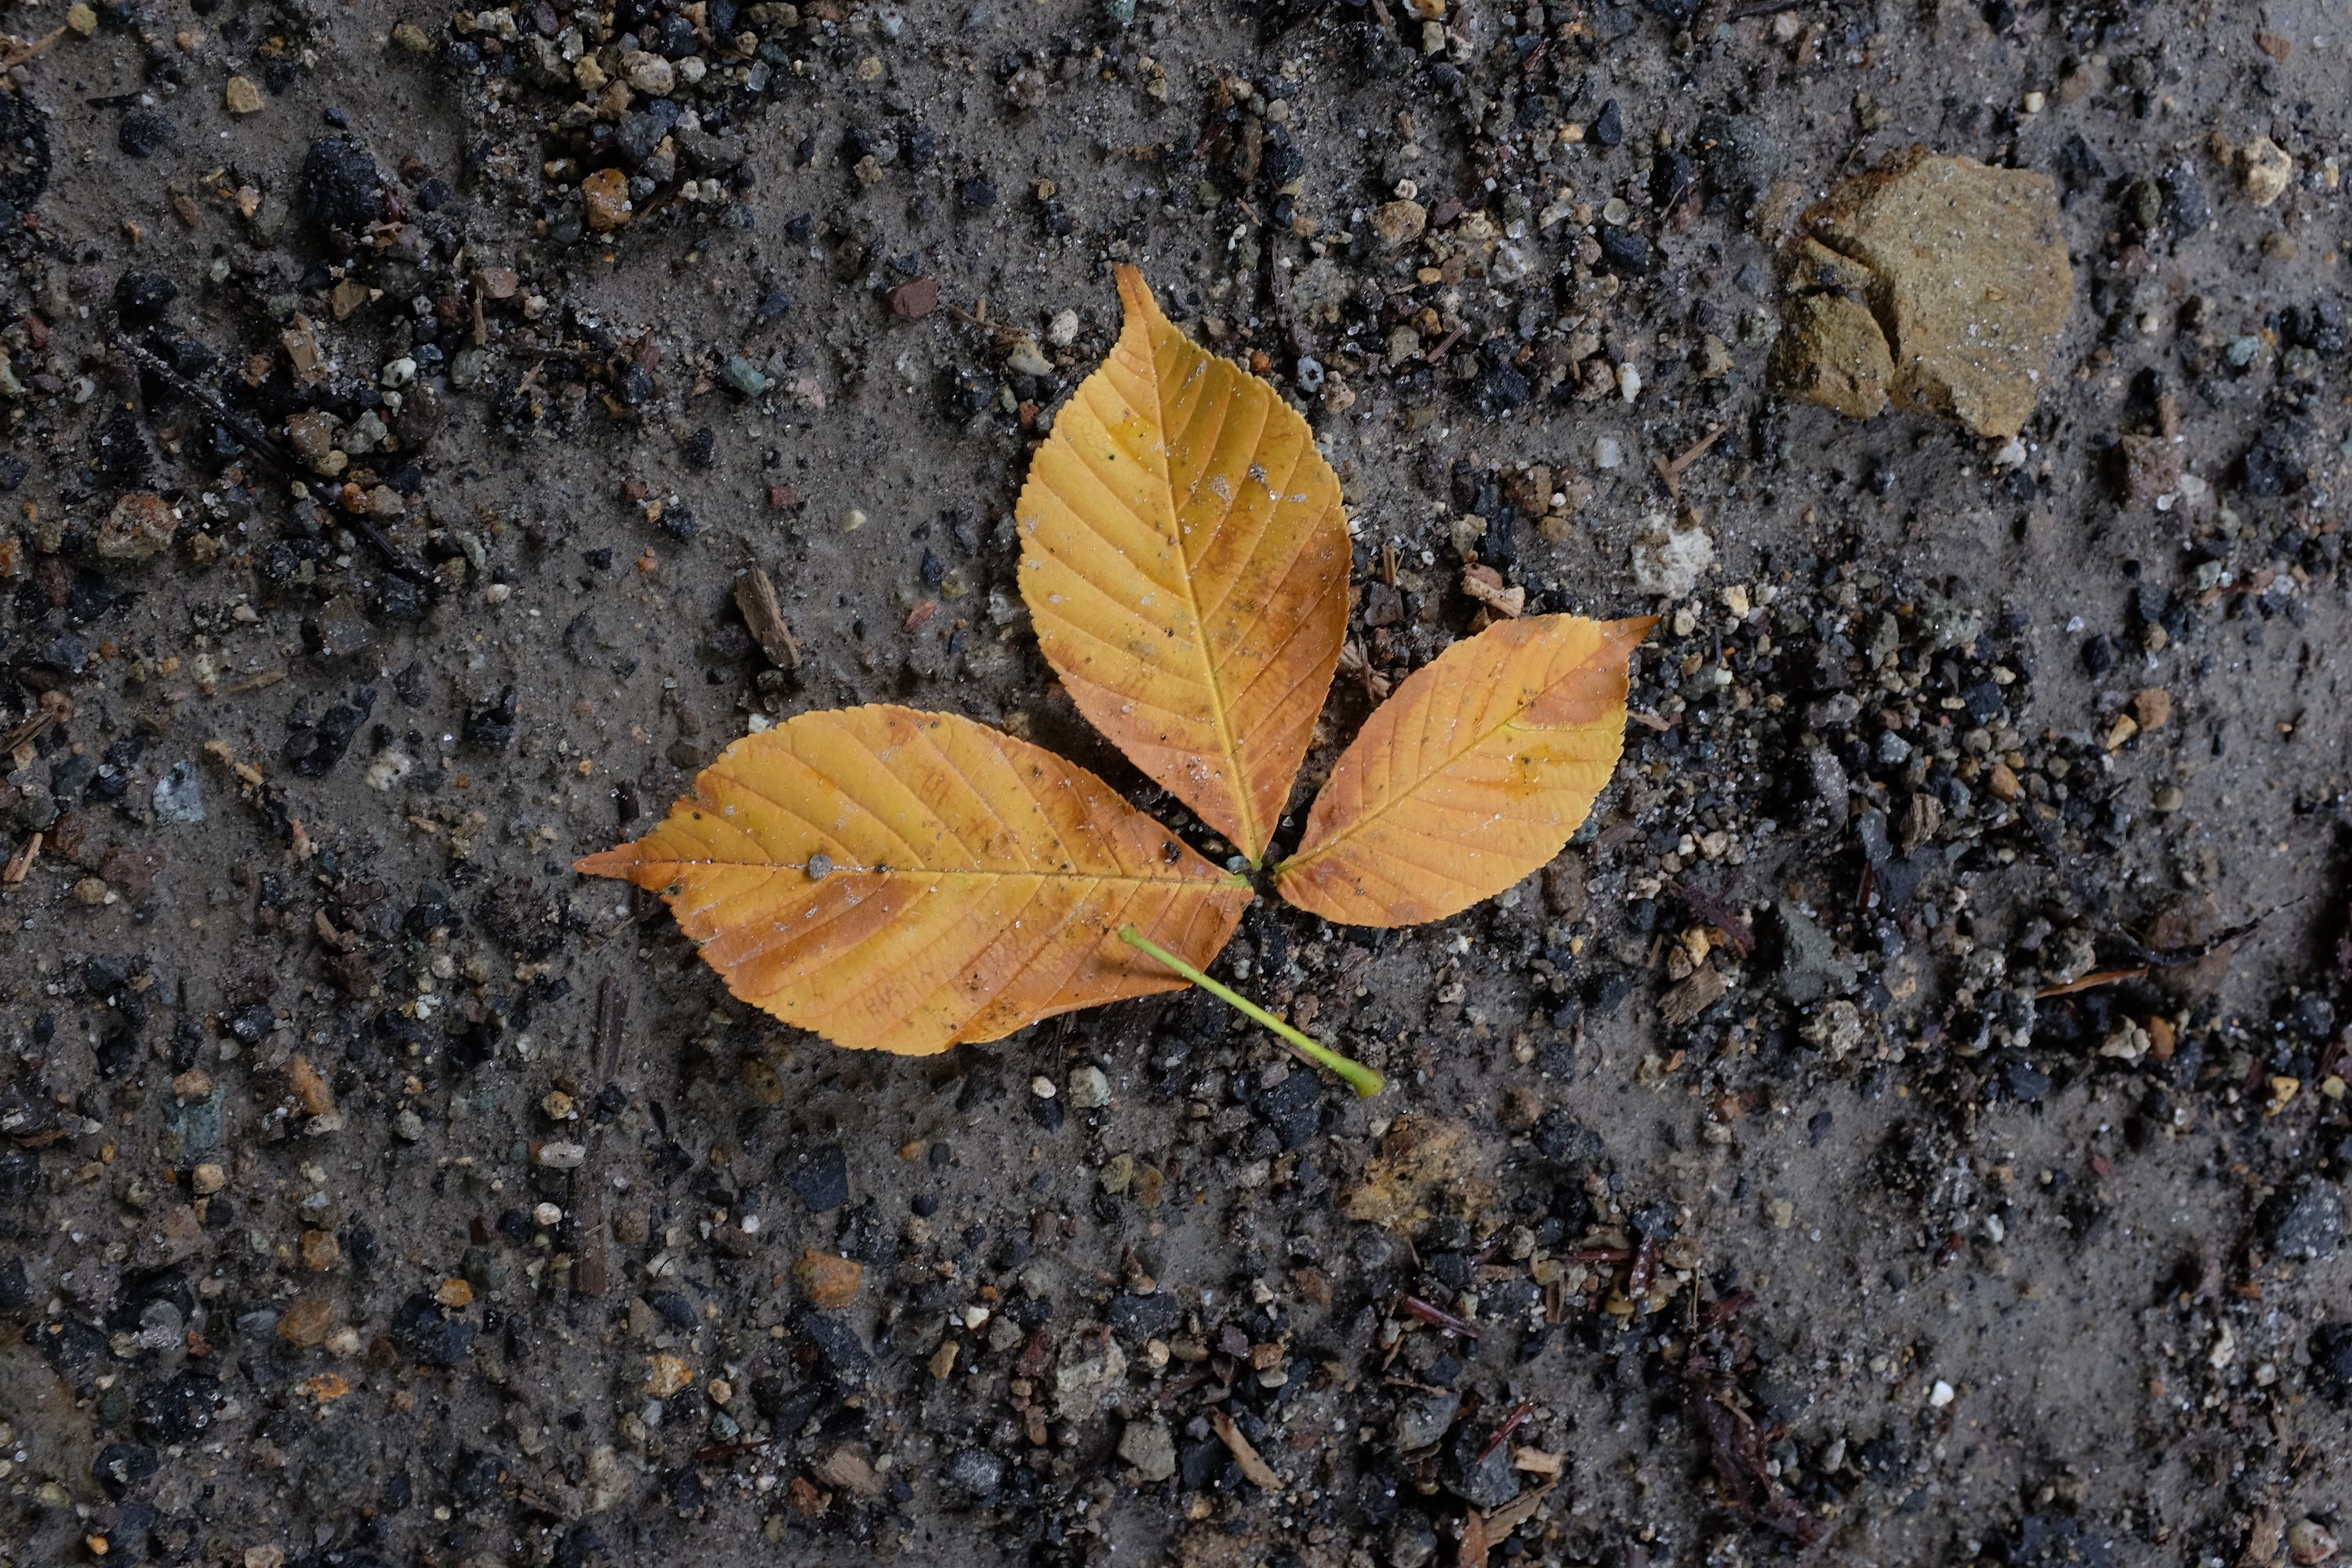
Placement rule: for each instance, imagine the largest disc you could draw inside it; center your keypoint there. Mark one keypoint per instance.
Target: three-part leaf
(1472, 774)
(1184, 557)
(906, 881)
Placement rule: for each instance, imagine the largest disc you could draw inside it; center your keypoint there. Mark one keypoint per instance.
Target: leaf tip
(1136, 295)
(617, 862)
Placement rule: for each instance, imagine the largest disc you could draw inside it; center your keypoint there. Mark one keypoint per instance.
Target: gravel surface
(1908, 1126)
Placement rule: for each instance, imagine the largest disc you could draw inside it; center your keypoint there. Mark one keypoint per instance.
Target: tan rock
(2151, 468)
(1831, 351)
(665, 1375)
(310, 1090)
(2265, 170)
(242, 96)
(139, 526)
(828, 1282)
(1400, 223)
(307, 1322)
(1961, 271)
(606, 192)
(849, 1468)
(321, 1253)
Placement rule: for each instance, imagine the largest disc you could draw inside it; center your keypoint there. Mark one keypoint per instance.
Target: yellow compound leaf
(1474, 774)
(1185, 557)
(905, 881)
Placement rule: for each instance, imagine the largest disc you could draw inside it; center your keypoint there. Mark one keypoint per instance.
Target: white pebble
(1090, 1090)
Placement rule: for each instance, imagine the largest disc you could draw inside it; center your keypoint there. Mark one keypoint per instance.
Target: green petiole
(1361, 1078)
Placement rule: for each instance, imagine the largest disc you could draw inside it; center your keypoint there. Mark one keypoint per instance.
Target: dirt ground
(1906, 1126)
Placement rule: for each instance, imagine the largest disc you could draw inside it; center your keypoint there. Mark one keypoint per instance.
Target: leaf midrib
(1244, 797)
(1225, 881)
(1399, 797)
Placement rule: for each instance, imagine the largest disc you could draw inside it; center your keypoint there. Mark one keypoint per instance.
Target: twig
(718, 1451)
(591, 1275)
(30, 729)
(1436, 1317)
(25, 52)
(2097, 977)
(1510, 1424)
(1359, 1077)
(1671, 470)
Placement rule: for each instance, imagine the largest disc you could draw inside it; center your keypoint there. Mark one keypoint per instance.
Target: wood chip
(1472, 1552)
(755, 596)
(1693, 996)
(1255, 1468)
(20, 864)
(1517, 1512)
(1485, 584)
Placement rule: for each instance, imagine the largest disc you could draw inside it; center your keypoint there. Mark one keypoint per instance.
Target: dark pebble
(979, 1473)
(1484, 1484)
(1139, 1318)
(2331, 1361)
(491, 727)
(178, 1409)
(839, 1349)
(145, 133)
(20, 1176)
(339, 185)
(15, 1288)
(122, 1465)
(1609, 129)
(430, 1335)
(1737, 154)
(820, 1177)
(2304, 1219)
(1198, 1465)
(313, 748)
(2274, 466)
(143, 297)
(1625, 251)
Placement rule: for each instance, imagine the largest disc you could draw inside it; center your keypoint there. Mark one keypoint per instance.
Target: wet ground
(1906, 1126)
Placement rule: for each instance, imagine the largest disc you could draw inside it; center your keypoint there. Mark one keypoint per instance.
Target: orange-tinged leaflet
(1472, 774)
(1184, 557)
(905, 881)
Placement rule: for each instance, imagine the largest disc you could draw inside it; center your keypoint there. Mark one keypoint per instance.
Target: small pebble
(1090, 1090)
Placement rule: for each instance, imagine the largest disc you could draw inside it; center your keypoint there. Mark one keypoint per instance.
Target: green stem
(1361, 1078)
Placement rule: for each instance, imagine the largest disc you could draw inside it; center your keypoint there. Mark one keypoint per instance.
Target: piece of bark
(755, 596)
